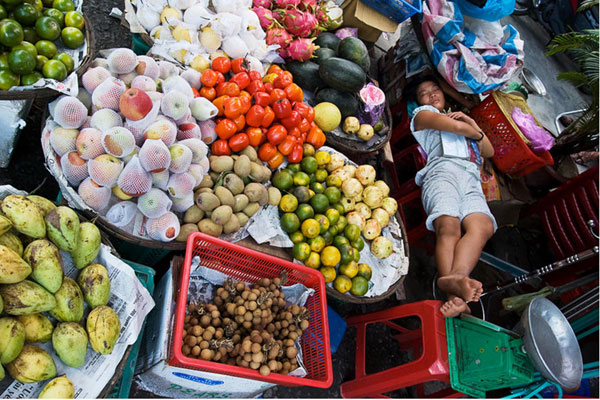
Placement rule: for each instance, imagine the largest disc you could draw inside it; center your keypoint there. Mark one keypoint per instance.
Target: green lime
(301, 179)
(317, 244)
(54, 69)
(66, 59)
(305, 211)
(320, 175)
(301, 251)
(365, 271)
(341, 224)
(11, 33)
(288, 203)
(319, 202)
(340, 208)
(40, 61)
(333, 194)
(360, 286)
(302, 194)
(317, 187)
(342, 283)
(355, 254)
(352, 232)
(310, 228)
(47, 28)
(31, 78)
(333, 180)
(38, 4)
(323, 221)
(74, 19)
(63, 5)
(313, 261)
(27, 47)
(347, 254)
(340, 241)
(297, 237)
(12, 3)
(8, 79)
(333, 230)
(290, 222)
(26, 14)
(4, 61)
(329, 274)
(57, 15)
(282, 180)
(3, 13)
(358, 244)
(332, 215)
(312, 178)
(294, 167)
(46, 48)
(21, 62)
(328, 237)
(71, 37)
(349, 269)
(309, 164)
(29, 34)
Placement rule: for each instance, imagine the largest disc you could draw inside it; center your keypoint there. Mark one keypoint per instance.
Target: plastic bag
(373, 104)
(490, 32)
(493, 10)
(346, 32)
(540, 139)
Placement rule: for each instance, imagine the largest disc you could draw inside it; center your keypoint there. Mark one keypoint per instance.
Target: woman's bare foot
(462, 286)
(584, 157)
(454, 307)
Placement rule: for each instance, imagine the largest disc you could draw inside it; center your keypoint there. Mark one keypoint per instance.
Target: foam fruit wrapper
(373, 104)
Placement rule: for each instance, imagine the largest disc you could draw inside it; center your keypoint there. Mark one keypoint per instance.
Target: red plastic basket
(250, 266)
(511, 154)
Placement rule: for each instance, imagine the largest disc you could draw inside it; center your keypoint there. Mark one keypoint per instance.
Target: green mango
(103, 327)
(38, 327)
(46, 262)
(13, 242)
(26, 297)
(58, 388)
(12, 267)
(69, 302)
(95, 285)
(32, 365)
(88, 245)
(43, 203)
(26, 217)
(62, 225)
(2, 374)
(5, 225)
(70, 343)
(12, 339)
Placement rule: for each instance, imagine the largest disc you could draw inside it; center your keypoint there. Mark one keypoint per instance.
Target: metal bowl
(551, 343)
(532, 82)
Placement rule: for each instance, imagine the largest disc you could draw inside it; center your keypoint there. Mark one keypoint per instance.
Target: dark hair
(410, 90)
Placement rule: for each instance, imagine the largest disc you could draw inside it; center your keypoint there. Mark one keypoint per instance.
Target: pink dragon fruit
(287, 3)
(278, 36)
(262, 3)
(299, 23)
(322, 17)
(300, 50)
(265, 17)
(308, 5)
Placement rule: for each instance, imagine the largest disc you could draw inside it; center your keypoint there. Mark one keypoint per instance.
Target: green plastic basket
(122, 388)
(138, 45)
(484, 357)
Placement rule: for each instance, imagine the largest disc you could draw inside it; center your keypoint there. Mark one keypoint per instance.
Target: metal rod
(555, 266)
(572, 303)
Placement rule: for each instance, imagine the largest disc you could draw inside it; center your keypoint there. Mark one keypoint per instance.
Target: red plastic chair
(429, 341)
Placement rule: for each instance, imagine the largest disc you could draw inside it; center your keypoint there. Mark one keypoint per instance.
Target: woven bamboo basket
(47, 92)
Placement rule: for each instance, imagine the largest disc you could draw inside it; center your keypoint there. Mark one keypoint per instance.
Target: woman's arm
(458, 123)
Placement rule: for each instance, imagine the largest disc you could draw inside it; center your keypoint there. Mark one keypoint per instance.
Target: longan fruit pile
(250, 327)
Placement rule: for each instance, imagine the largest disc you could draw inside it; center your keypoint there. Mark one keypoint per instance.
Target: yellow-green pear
(32, 365)
(13, 242)
(38, 327)
(103, 327)
(95, 285)
(5, 224)
(88, 245)
(46, 264)
(62, 225)
(26, 297)
(26, 217)
(12, 339)
(58, 388)
(12, 267)
(70, 341)
(43, 203)
(69, 302)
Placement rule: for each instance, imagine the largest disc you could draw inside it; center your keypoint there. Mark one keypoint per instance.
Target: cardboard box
(155, 375)
(369, 22)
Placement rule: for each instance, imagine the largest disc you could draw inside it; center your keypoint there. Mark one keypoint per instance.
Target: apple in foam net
(135, 104)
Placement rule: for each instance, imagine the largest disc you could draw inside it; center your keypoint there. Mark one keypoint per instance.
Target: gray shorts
(450, 189)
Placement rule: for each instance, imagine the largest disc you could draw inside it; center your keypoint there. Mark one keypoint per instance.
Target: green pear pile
(33, 288)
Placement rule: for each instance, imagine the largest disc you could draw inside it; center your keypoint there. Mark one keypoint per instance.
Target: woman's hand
(460, 116)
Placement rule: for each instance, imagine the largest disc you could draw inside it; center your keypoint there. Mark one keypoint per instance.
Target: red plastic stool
(407, 163)
(429, 340)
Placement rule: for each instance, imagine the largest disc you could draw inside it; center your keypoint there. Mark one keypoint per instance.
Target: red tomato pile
(264, 112)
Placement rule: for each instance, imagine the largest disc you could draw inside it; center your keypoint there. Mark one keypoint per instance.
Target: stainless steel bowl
(551, 343)
(532, 82)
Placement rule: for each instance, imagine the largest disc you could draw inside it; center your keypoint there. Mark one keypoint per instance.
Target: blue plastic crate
(396, 10)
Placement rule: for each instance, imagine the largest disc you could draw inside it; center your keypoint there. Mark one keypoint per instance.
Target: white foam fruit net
(154, 156)
(147, 67)
(188, 130)
(122, 213)
(105, 170)
(93, 77)
(198, 147)
(160, 179)
(74, 167)
(105, 119)
(89, 143)
(197, 171)
(63, 140)
(181, 185)
(134, 180)
(95, 196)
(182, 204)
(107, 94)
(181, 158)
(177, 83)
(70, 112)
(122, 61)
(144, 83)
(162, 129)
(154, 204)
(118, 141)
(174, 104)
(164, 228)
(138, 128)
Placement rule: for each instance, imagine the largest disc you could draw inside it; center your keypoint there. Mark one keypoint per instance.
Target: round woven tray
(353, 147)
(47, 92)
(348, 298)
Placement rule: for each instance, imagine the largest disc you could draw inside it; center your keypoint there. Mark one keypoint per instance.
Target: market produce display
(326, 207)
(292, 24)
(41, 303)
(31, 33)
(247, 326)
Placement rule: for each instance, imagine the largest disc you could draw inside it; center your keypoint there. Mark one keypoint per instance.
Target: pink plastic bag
(540, 139)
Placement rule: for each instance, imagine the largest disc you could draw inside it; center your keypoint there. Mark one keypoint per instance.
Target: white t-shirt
(431, 142)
